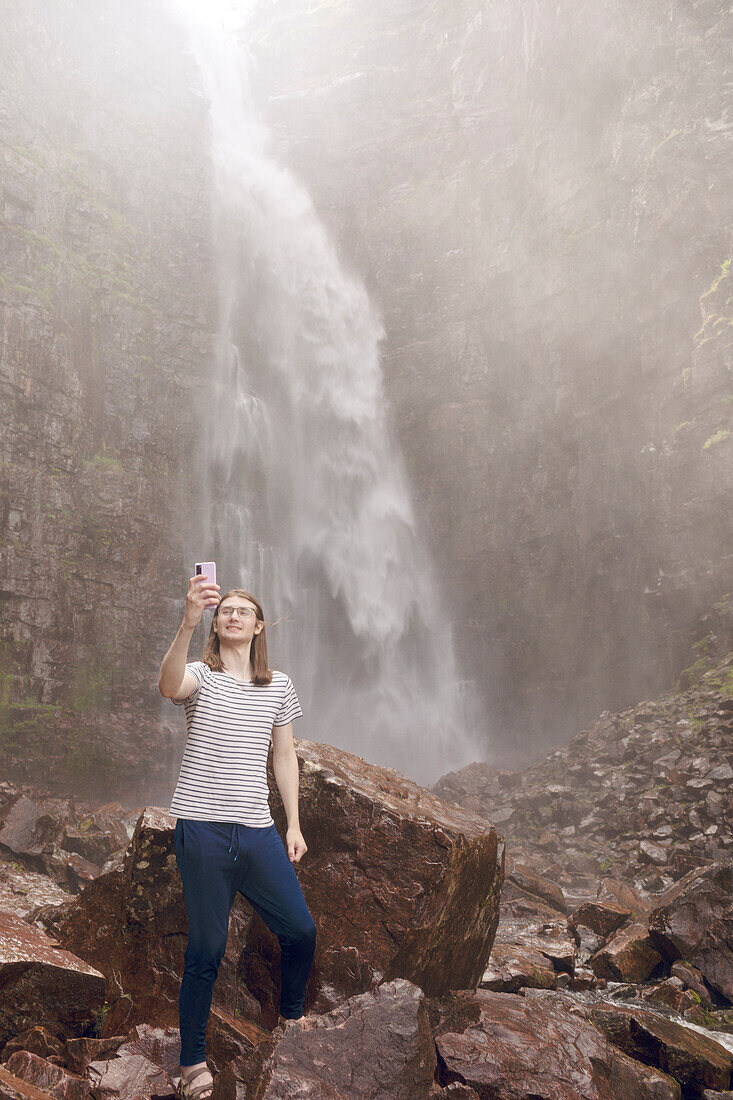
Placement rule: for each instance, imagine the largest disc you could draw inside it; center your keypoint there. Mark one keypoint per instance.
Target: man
(235, 704)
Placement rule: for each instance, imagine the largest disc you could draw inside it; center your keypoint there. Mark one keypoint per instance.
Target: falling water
(308, 501)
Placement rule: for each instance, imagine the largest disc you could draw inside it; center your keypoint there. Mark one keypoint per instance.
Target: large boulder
(131, 923)
(694, 921)
(400, 883)
(601, 917)
(528, 880)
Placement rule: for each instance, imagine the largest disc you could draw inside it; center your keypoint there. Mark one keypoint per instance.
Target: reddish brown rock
(96, 836)
(531, 882)
(603, 918)
(131, 924)
(47, 1076)
(581, 980)
(528, 921)
(126, 1076)
(694, 1060)
(694, 921)
(15, 1088)
(614, 890)
(374, 1045)
(692, 979)
(44, 984)
(632, 1080)
(226, 1038)
(160, 1046)
(423, 877)
(513, 967)
(671, 993)
(39, 1040)
(27, 830)
(509, 1048)
(22, 891)
(80, 1052)
(627, 957)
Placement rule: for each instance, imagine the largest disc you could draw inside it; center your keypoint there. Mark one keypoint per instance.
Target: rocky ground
(619, 877)
(590, 960)
(644, 795)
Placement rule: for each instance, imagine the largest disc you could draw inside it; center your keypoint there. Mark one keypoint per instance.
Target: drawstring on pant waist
(235, 826)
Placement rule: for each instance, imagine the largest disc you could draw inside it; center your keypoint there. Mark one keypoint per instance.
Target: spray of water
(310, 503)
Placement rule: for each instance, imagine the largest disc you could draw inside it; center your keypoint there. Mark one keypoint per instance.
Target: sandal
(186, 1090)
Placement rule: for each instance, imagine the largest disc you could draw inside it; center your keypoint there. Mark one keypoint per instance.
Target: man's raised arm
(173, 681)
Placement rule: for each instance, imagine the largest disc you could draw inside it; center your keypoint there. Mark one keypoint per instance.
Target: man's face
(237, 620)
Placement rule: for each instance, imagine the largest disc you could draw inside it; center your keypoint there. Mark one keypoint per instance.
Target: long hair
(261, 672)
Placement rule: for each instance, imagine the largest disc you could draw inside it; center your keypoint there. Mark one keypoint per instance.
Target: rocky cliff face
(536, 201)
(536, 198)
(105, 317)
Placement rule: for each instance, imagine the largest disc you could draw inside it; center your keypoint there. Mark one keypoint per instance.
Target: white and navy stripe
(223, 774)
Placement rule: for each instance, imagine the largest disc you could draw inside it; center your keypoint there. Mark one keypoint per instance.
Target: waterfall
(307, 500)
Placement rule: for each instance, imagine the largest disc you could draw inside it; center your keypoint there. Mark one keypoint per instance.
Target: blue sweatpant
(217, 859)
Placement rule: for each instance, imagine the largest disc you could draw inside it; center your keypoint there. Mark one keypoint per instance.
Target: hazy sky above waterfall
(231, 14)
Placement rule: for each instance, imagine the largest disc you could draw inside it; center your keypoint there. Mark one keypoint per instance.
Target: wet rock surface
(43, 983)
(428, 882)
(627, 956)
(510, 1047)
(695, 923)
(621, 920)
(645, 795)
(428, 878)
(376, 1044)
(692, 1059)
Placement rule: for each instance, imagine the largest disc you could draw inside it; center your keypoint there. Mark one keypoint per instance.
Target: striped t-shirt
(223, 774)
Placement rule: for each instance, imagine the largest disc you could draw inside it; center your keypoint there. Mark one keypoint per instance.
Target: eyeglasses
(244, 612)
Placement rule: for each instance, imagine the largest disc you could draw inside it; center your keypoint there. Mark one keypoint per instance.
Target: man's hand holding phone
(202, 595)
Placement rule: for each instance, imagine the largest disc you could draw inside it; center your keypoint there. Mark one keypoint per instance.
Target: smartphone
(206, 569)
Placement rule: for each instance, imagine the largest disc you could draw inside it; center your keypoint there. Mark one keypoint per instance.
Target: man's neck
(235, 659)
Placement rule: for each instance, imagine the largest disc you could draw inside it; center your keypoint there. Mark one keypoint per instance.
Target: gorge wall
(536, 199)
(106, 306)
